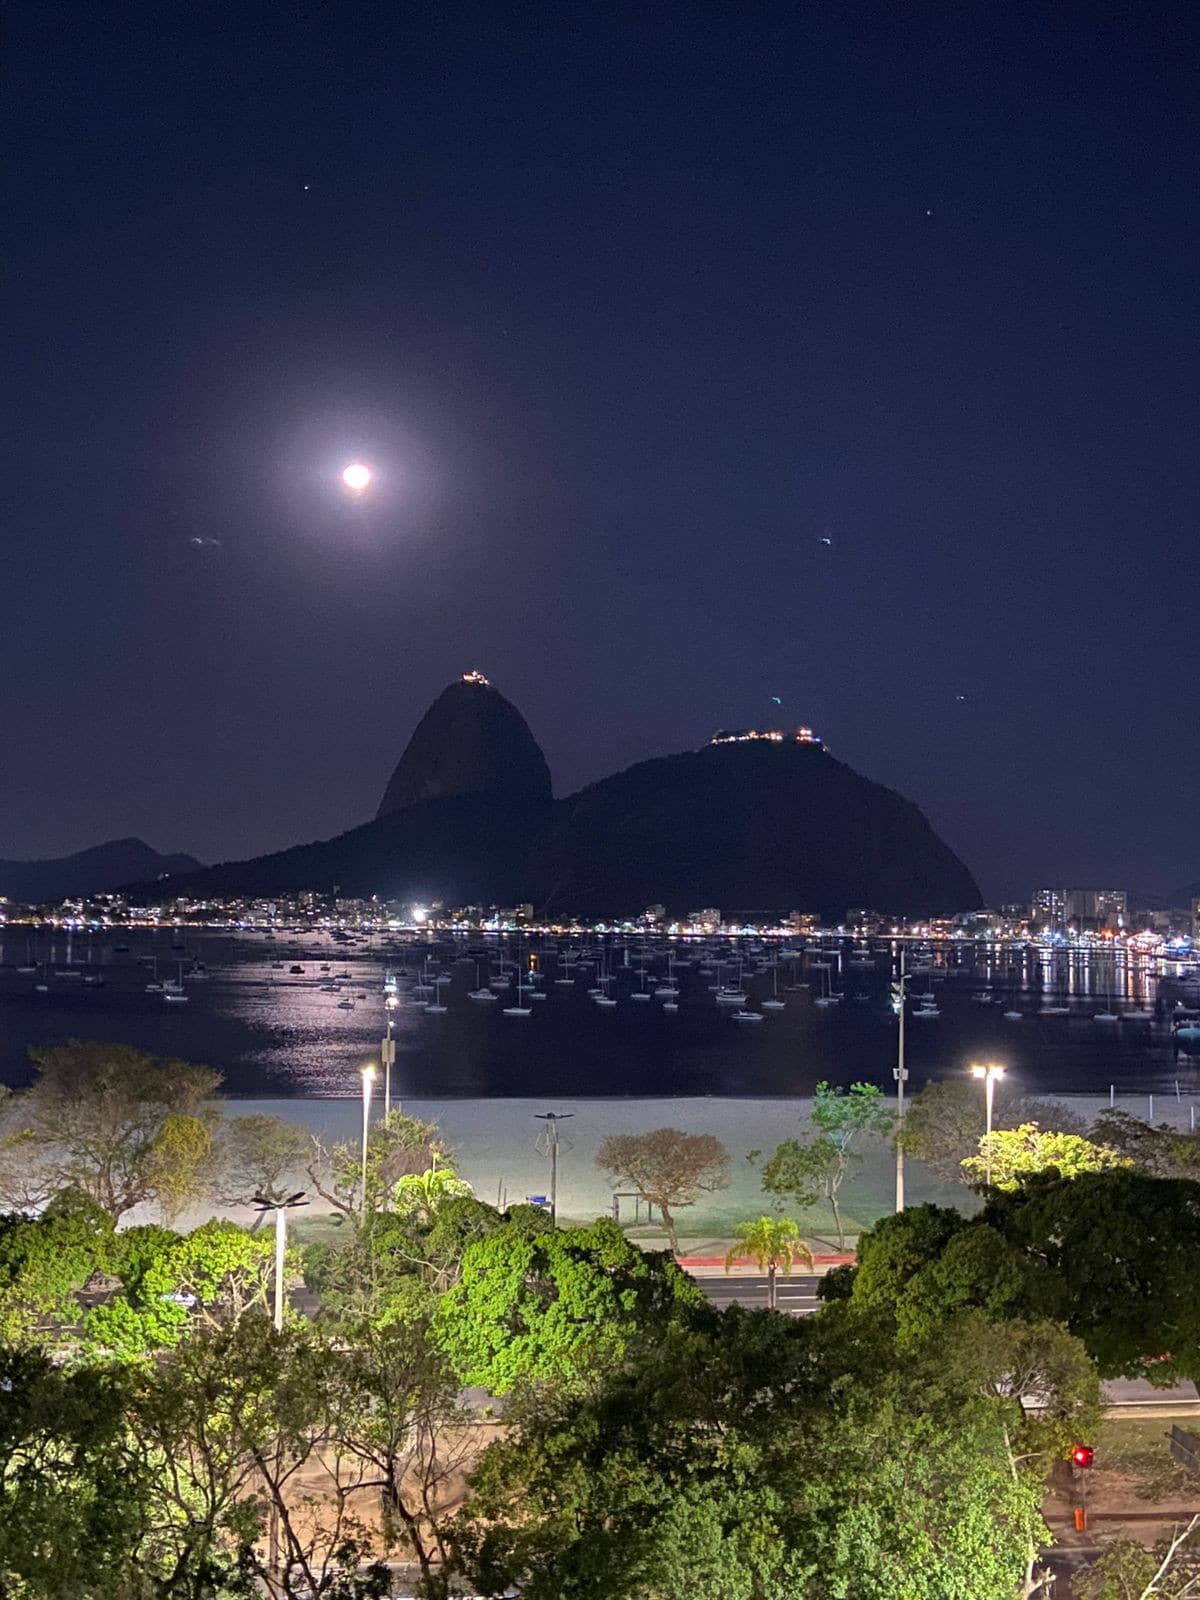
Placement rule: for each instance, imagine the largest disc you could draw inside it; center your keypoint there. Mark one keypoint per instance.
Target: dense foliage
(499, 1403)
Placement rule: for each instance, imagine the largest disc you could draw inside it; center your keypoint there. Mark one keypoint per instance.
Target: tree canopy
(1113, 1255)
(537, 1304)
(667, 1167)
(111, 1122)
(1011, 1154)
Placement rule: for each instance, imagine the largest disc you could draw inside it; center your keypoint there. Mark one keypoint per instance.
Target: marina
(298, 1012)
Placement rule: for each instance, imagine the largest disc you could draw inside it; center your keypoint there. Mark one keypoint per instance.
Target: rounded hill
(753, 827)
(470, 741)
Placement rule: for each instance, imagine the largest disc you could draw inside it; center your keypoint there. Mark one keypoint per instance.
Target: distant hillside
(743, 827)
(466, 848)
(750, 826)
(94, 871)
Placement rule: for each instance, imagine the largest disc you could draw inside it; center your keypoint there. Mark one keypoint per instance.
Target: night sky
(631, 308)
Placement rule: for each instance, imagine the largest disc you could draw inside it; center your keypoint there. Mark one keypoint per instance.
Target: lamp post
(281, 1208)
(989, 1071)
(368, 1078)
(388, 1055)
(552, 1120)
(900, 1073)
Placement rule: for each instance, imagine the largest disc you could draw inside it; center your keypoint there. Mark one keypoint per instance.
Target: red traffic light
(1083, 1455)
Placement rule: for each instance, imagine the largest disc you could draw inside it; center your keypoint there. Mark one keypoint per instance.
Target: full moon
(356, 476)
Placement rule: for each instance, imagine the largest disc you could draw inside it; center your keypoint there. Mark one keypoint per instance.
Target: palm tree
(422, 1193)
(773, 1242)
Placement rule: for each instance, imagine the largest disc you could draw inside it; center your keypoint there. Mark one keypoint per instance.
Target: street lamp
(900, 1073)
(281, 1208)
(989, 1071)
(368, 1078)
(388, 1054)
(552, 1120)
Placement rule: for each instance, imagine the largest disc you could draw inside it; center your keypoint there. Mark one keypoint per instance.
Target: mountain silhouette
(754, 826)
(470, 741)
(97, 870)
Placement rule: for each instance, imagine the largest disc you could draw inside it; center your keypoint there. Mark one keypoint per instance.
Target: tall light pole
(368, 1078)
(552, 1120)
(281, 1208)
(900, 1073)
(989, 1071)
(388, 1055)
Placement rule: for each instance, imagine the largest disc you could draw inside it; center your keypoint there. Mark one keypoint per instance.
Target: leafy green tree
(944, 1122)
(1011, 1154)
(668, 1168)
(171, 1283)
(45, 1264)
(72, 1494)
(757, 1457)
(1114, 1256)
(122, 1127)
(397, 1146)
(260, 1155)
(421, 1195)
(556, 1305)
(801, 1170)
(243, 1429)
(927, 1263)
(774, 1243)
(1159, 1152)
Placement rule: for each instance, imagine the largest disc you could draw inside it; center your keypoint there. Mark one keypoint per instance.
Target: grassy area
(1139, 1452)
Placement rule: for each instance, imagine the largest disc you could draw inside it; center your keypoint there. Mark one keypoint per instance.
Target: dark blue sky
(630, 306)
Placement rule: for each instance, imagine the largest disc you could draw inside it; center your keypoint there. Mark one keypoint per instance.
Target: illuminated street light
(388, 1052)
(368, 1078)
(989, 1071)
(356, 477)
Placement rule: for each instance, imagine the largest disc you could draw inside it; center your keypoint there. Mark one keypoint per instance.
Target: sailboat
(826, 996)
(1108, 1016)
(481, 991)
(520, 1009)
(774, 1003)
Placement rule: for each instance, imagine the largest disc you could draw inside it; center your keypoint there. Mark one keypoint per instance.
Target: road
(795, 1295)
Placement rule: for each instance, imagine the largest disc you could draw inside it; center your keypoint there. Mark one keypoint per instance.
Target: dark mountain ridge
(758, 824)
(101, 868)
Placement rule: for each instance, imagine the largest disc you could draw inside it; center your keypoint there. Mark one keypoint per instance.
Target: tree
(1128, 1571)
(122, 1127)
(774, 1243)
(45, 1264)
(668, 1168)
(800, 1170)
(764, 1456)
(945, 1121)
(170, 1284)
(238, 1429)
(1012, 1154)
(1114, 1256)
(1159, 1152)
(260, 1155)
(72, 1494)
(536, 1304)
(422, 1195)
(396, 1146)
